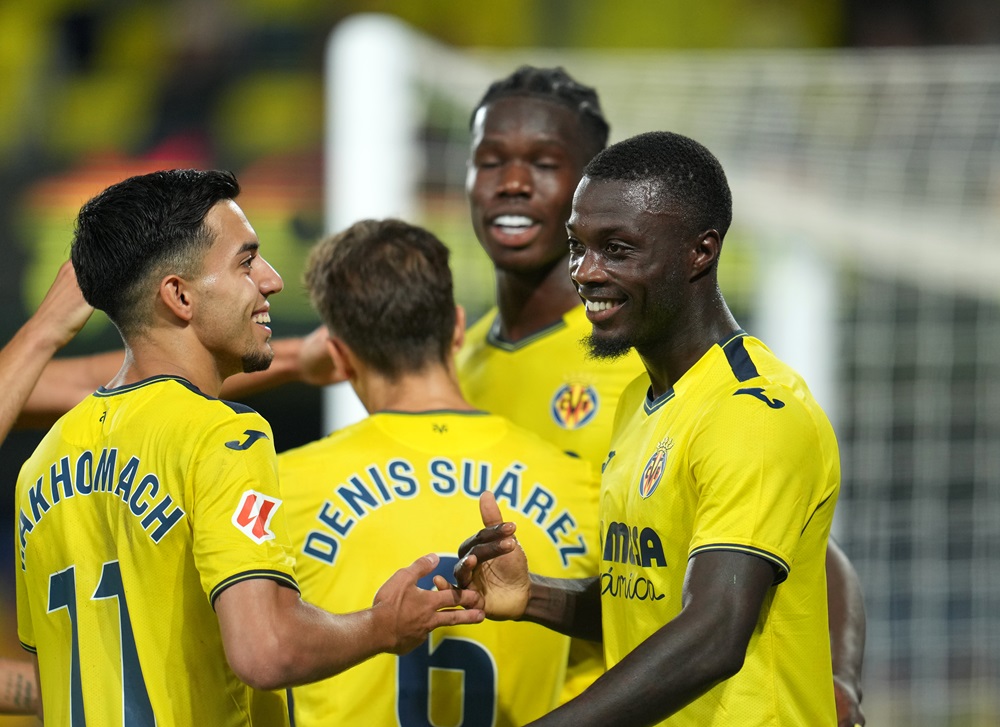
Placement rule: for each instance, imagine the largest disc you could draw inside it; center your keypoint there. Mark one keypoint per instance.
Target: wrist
(849, 685)
(40, 339)
(543, 602)
(378, 628)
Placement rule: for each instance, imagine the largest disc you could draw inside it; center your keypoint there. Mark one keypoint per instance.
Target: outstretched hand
(410, 613)
(492, 563)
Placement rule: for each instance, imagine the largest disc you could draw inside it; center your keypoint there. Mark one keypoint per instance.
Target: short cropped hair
(557, 86)
(140, 229)
(686, 173)
(384, 287)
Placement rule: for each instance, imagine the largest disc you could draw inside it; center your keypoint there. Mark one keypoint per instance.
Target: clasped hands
(492, 563)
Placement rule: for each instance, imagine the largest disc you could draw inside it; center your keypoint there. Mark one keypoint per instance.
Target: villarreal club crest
(574, 405)
(653, 472)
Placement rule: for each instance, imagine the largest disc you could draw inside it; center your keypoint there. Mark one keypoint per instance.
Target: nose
(268, 281)
(515, 180)
(585, 268)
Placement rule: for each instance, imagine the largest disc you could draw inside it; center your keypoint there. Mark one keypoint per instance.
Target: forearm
(18, 688)
(295, 642)
(847, 618)
(669, 670)
(569, 606)
(315, 644)
(22, 361)
(273, 639)
(704, 644)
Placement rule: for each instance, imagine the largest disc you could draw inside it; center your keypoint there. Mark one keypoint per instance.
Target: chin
(605, 347)
(257, 361)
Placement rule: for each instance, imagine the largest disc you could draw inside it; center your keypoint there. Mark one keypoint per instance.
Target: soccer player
(154, 573)
(59, 317)
(412, 469)
(719, 490)
(532, 134)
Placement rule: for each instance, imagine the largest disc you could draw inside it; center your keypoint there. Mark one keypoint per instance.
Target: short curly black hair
(685, 172)
(557, 86)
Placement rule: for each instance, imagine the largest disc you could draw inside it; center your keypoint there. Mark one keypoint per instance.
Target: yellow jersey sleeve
(758, 475)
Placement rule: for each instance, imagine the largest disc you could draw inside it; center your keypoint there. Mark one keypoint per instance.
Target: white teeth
(262, 318)
(513, 221)
(598, 305)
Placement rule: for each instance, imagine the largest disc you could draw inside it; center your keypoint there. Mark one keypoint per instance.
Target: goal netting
(865, 250)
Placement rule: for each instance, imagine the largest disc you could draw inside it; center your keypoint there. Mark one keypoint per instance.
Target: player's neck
(530, 303)
(434, 389)
(669, 358)
(148, 356)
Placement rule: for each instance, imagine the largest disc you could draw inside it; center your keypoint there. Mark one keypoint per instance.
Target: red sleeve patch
(253, 515)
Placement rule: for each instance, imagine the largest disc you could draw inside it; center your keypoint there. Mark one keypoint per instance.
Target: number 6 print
(472, 659)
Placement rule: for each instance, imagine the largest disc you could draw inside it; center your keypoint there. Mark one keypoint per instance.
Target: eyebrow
(249, 246)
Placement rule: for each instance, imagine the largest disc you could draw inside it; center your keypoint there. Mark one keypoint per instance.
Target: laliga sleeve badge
(653, 471)
(253, 515)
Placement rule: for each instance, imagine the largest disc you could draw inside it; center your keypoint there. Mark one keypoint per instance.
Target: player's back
(375, 496)
(125, 534)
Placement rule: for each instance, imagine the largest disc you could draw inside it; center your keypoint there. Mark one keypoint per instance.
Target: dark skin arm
(847, 634)
(723, 596)
(722, 599)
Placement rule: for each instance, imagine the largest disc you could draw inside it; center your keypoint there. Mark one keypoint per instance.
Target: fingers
(489, 510)
(457, 618)
(452, 597)
(422, 566)
(464, 570)
(487, 535)
(442, 584)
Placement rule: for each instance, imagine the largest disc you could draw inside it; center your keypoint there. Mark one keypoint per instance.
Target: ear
(705, 253)
(458, 337)
(176, 295)
(343, 358)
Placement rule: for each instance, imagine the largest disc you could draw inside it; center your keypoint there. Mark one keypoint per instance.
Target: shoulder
(205, 422)
(334, 445)
(535, 451)
(763, 395)
(479, 330)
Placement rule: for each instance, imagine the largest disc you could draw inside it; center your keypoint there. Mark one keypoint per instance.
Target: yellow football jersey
(737, 456)
(137, 508)
(548, 384)
(373, 497)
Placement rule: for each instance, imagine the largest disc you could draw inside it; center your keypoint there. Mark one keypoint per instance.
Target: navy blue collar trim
(102, 391)
(494, 338)
(739, 361)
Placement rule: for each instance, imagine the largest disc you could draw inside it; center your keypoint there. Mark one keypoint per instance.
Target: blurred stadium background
(863, 144)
